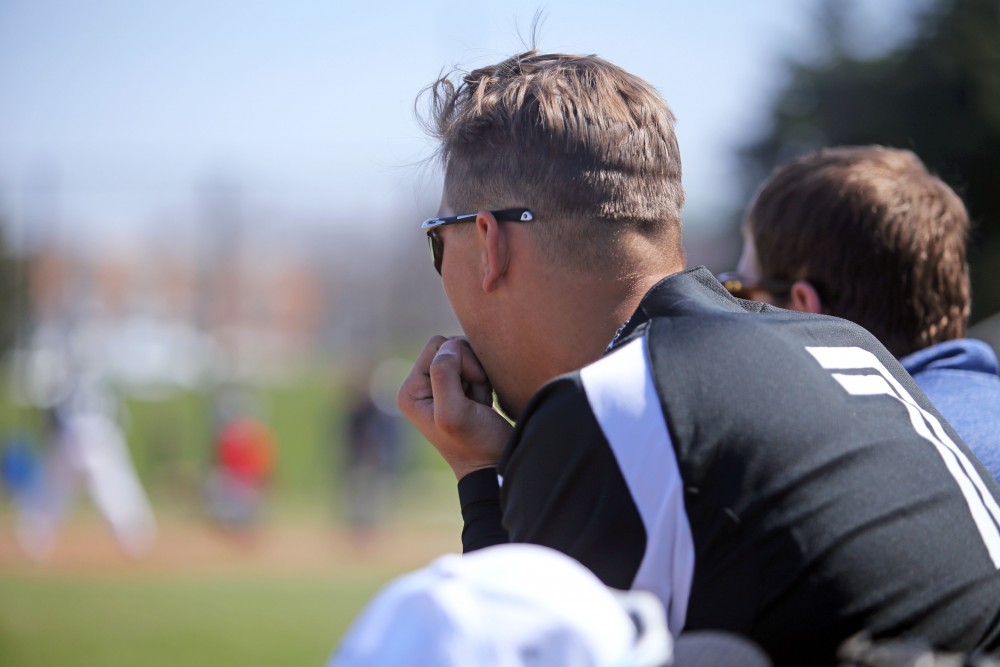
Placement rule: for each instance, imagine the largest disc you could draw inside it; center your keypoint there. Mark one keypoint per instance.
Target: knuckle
(406, 388)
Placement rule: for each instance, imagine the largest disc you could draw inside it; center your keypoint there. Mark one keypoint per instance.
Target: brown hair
(587, 146)
(881, 239)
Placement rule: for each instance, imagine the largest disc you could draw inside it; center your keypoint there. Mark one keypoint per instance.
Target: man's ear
(804, 298)
(495, 249)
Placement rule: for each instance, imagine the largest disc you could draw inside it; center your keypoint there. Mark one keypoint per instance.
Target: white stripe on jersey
(983, 507)
(622, 395)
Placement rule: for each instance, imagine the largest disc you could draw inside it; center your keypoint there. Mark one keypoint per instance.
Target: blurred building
(248, 296)
(161, 319)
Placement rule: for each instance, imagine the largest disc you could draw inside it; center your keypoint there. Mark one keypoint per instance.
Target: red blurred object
(246, 450)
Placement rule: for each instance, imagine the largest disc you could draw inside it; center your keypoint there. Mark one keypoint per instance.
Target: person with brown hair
(764, 472)
(866, 233)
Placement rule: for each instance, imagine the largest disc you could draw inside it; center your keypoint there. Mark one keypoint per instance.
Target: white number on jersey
(880, 382)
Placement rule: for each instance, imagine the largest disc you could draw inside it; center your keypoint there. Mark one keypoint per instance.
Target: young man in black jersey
(765, 472)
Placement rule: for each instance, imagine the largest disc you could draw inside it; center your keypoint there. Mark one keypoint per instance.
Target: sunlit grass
(177, 620)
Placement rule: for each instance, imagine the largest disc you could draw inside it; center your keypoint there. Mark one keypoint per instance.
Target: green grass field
(176, 620)
(201, 598)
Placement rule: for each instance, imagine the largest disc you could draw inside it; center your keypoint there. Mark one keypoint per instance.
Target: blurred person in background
(868, 234)
(243, 461)
(764, 472)
(371, 446)
(21, 469)
(84, 443)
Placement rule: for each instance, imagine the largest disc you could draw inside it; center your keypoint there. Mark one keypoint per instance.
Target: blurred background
(212, 279)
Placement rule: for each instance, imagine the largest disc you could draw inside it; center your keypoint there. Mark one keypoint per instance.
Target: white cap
(512, 605)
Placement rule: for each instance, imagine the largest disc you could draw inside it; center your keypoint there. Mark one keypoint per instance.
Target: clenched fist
(448, 397)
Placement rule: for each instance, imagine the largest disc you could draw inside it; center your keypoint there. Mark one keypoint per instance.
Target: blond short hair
(587, 146)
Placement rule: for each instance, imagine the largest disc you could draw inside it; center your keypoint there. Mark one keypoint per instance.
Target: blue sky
(124, 107)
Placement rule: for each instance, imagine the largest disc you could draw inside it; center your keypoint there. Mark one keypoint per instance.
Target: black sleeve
(479, 495)
(562, 486)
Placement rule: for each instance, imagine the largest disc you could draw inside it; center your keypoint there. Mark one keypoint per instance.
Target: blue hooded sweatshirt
(961, 379)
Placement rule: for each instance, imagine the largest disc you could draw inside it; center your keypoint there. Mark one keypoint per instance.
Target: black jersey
(766, 472)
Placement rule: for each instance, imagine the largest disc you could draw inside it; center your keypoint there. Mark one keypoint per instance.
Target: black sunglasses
(743, 287)
(436, 243)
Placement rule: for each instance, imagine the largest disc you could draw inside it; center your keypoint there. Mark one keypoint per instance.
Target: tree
(937, 94)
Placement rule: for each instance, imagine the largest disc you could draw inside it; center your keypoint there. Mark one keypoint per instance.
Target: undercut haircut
(588, 147)
(881, 239)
